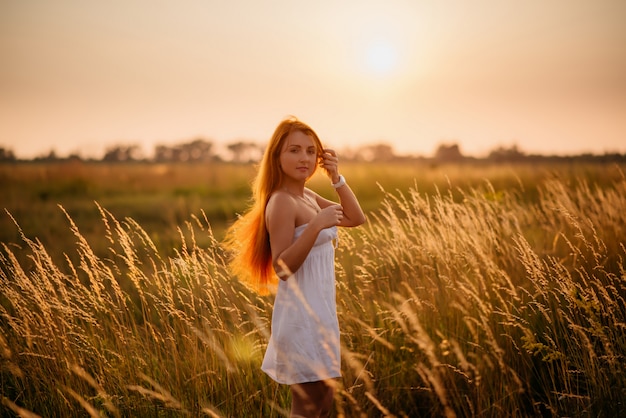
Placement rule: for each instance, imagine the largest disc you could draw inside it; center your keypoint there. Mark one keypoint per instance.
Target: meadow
(478, 290)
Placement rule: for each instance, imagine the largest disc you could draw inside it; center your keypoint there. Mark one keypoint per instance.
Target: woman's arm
(353, 214)
(280, 217)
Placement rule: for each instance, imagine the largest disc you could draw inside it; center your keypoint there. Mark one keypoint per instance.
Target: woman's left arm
(352, 213)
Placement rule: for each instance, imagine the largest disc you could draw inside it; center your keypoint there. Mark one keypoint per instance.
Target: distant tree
(75, 156)
(245, 151)
(118, 153)
(163, 153)
(194, 151)
(6, 154)
(50, 156)
(448, 152)
(506, 154)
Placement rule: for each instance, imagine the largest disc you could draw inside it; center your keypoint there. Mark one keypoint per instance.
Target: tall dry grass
(491, 306)
(133, 333)
(485, 305)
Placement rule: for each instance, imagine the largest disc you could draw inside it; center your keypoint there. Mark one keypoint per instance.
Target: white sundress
(304, 343)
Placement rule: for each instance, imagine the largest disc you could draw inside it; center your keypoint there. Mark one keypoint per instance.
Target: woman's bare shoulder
(280, 197)
(280, 206)
(280, 201)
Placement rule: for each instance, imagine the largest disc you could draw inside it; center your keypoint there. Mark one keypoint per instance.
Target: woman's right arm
(280, 218)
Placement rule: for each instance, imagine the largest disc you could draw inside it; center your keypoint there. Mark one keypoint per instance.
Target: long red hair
(248, 239)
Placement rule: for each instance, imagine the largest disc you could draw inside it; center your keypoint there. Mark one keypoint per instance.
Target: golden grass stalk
(475, 299)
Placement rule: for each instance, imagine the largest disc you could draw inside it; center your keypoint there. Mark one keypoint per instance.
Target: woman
(290, 232)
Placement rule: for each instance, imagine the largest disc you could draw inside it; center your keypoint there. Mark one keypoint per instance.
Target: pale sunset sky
(82, 75)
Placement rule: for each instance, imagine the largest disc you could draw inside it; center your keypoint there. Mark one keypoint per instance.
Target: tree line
(201, 150)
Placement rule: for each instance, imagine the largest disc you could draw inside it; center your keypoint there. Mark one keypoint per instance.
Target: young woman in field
(290, 232)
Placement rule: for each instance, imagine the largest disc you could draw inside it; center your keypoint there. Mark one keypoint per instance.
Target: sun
(381, 58)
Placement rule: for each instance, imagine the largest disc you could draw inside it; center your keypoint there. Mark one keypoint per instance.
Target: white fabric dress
(304, 342)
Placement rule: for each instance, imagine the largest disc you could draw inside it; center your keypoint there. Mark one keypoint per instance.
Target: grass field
(473, 290)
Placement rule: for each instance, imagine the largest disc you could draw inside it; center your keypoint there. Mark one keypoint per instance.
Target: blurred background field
(162, 197)
(475, 289)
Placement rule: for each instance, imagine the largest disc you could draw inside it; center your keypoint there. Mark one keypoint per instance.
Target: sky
(78, 76)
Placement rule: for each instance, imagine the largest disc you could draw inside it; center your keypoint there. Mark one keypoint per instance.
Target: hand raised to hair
(329, 162)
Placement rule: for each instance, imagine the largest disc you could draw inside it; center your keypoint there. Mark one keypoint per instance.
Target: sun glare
(381, 58)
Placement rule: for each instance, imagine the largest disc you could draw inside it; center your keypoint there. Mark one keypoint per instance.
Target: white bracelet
(341, 182)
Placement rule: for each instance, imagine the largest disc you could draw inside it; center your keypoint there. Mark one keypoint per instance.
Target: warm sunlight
(381, 58)
(78, 77)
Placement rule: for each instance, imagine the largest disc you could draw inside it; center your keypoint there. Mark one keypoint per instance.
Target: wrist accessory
(341, 182)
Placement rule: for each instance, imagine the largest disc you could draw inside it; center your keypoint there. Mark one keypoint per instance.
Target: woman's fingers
(329, 159)
(333, 215)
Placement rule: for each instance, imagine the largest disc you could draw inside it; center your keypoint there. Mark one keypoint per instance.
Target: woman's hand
(329, 162)
(329, 216)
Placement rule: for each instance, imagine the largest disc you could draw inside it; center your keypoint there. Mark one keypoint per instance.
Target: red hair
(248, 239)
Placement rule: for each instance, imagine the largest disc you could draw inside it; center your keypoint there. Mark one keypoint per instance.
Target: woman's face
(298, 157)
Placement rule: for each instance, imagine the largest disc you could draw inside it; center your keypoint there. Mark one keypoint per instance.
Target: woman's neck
(294, 188)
